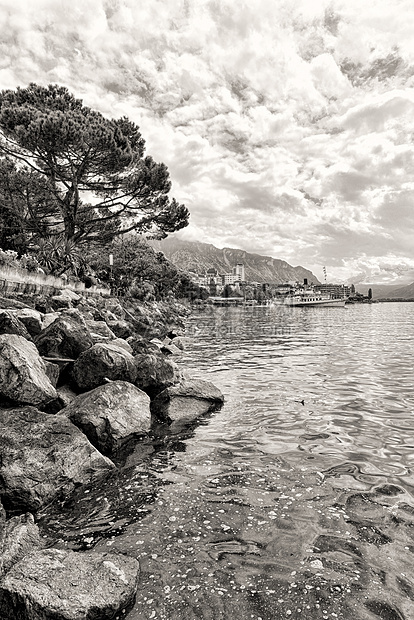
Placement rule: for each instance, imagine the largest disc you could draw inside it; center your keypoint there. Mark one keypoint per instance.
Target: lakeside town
(234, 288)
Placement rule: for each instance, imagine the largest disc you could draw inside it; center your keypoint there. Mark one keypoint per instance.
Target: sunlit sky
(287, 126)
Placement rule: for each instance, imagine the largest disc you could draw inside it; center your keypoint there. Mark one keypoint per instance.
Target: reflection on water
(293, 501)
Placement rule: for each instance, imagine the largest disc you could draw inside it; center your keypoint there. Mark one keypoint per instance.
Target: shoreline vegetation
(81, 379)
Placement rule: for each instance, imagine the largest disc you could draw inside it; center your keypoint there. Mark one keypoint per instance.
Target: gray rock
(49, 318)
(113, 306)
(53, 584)
(111, 414)
(31, 319)
(66, 337)
(66, 299)
(43, 456)
(180, 342)
(170, 349)
(53, 372)
(188, 400)
(10, 324)
(23, 377)
(142, 345)
(2, 525)
(154, 373)
(8, 302)
(123, 344)
(99, 331)
(21, 537)
(103, 361)
(122, 329)
(65, 395)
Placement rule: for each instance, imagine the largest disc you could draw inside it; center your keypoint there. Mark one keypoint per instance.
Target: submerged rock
(43, 456)
(103, 361)
(111, 414)
(188, 400)
(64, 585)
(23, 374)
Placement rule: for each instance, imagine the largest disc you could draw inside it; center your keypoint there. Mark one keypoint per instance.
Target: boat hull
(320, 303)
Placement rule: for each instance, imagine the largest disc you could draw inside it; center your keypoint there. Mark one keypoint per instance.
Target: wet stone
(406, 588)
(361, 506)
(390, 490)
(325, 544)
(371, 534)
(314, 436)
(384, 610)
(64, 585)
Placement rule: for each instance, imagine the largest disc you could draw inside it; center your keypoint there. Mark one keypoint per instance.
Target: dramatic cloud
(287, 126)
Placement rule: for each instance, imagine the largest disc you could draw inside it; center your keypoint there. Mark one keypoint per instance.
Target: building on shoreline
(216, 283)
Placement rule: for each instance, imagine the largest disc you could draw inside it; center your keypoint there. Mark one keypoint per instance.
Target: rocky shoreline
(80, 377)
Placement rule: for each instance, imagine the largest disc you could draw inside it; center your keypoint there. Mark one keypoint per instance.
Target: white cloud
(286, 126)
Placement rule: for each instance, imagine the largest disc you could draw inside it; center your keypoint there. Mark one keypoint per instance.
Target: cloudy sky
(287, 125)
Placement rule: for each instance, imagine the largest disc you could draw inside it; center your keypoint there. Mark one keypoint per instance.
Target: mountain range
(199, 257)
(387, 291)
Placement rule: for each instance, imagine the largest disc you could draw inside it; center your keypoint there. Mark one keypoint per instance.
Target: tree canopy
(138, 269)
(68, 170)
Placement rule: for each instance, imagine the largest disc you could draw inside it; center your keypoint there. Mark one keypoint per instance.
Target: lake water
(296, 499)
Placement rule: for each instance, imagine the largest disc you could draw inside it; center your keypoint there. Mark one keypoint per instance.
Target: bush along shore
(79, 378)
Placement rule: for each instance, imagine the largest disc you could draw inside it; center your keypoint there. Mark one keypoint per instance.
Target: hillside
(388, 291)
(198, 257)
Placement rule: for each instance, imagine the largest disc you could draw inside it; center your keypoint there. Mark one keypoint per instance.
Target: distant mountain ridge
(197, 256)
(387, 291)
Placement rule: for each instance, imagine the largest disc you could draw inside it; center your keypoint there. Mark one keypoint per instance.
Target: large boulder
(99, 331)
(65, 299)
(23, 375)
(111, 414)
(66, 337)
(42, 457)
(54, 584)
(154, 373)
(21, 537)
(31, 319)
(121, 329)
(8, 302)
(10, 324)
(103, 361)
(49, 318)
(122, 344)
(139, 345)
(188, 400)
(114, 307)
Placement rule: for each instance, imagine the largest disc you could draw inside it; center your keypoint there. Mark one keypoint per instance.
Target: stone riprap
(42, 457)
(111, 414)
(23, 373)
(188, 400)
(69, 399)
(53, 584)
